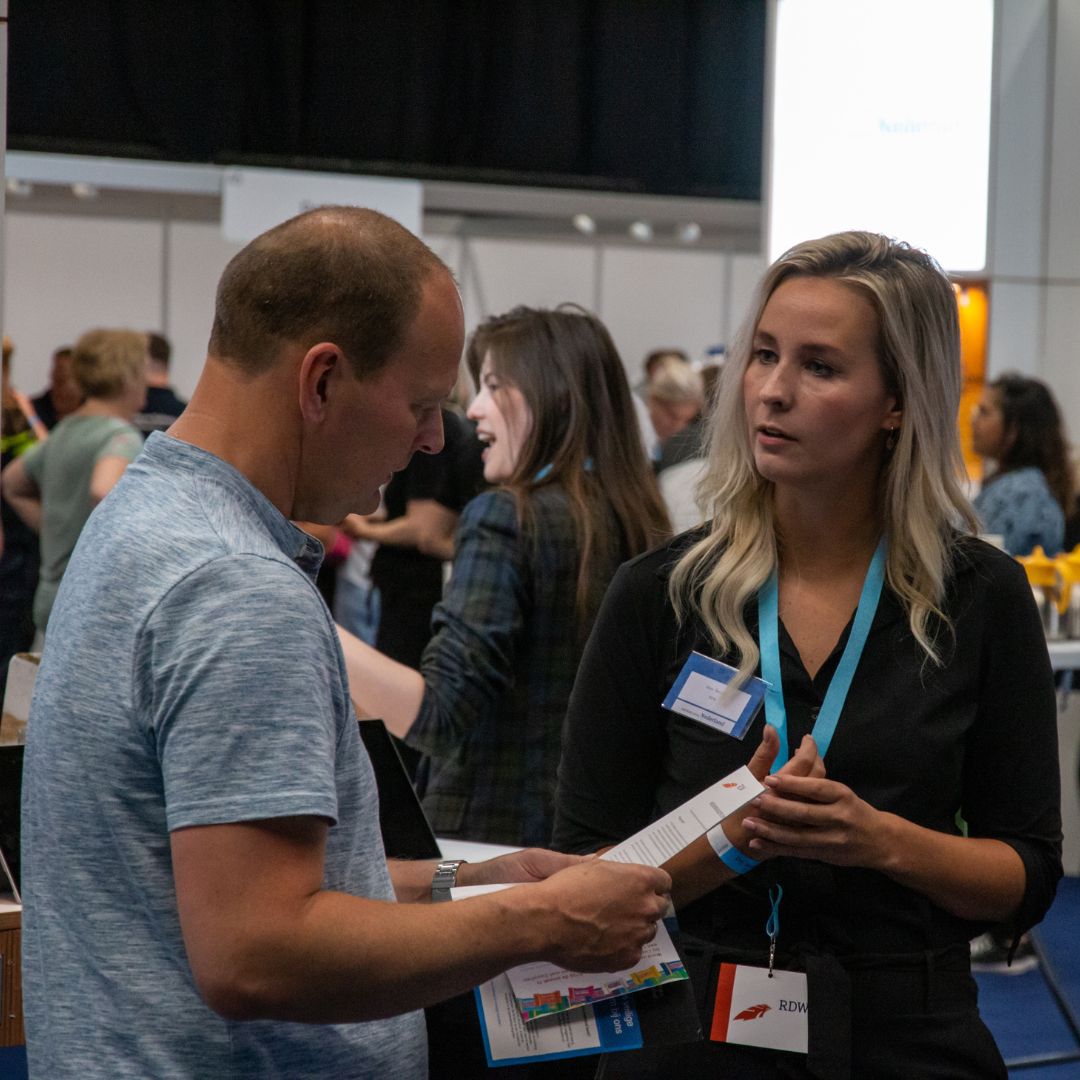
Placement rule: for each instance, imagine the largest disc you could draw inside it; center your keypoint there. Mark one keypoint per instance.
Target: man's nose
(431, 438)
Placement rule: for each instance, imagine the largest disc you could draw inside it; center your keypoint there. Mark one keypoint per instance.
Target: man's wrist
(445, 878)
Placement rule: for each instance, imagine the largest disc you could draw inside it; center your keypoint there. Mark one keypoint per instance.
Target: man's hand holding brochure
(545, 988)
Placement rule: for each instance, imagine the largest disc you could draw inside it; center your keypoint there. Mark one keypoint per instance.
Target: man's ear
(320, 368)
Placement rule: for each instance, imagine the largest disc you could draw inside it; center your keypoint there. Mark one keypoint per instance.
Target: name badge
(703, 692)
(754, 1009)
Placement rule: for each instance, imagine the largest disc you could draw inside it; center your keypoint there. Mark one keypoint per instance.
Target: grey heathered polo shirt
(191, 676)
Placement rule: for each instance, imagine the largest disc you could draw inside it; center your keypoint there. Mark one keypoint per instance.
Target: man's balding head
(338, 273)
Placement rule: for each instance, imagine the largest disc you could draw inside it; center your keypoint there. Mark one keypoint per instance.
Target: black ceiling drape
(663, 96)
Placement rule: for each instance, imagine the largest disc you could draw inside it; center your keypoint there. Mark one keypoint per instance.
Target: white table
(1065, 656)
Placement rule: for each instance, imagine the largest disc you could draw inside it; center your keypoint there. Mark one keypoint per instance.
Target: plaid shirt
(499, 670)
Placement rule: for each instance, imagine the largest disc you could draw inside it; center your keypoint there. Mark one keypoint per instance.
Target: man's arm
(266, 941)
(22, 493)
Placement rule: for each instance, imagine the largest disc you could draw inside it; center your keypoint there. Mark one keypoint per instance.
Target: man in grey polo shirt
(206, 890)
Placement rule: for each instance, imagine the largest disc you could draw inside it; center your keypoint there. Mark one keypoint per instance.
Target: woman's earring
(890, 441)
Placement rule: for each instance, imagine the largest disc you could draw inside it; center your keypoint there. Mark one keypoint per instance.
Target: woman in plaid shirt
(573, 497)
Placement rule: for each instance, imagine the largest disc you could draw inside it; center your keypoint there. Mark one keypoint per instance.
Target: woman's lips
(770, 436)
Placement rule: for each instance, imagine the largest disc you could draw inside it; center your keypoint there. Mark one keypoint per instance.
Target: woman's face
(502, 422)
(989, 437)
(815, 399)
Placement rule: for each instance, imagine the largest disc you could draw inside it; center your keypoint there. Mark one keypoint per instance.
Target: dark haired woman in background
(574, 497)
(1026, 499)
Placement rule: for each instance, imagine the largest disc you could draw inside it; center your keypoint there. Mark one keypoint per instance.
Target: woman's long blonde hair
(922, 501)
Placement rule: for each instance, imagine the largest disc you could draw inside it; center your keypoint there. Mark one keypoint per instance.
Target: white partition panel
(497, 275)
(197, 253)
(663, 299)
(1016, 334)
(65, 274)
(1064, 208)
(746, 271)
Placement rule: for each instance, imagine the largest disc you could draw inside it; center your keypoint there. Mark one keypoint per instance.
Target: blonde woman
(838, 563)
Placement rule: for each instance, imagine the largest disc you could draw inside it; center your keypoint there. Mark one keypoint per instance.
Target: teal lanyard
(768, 635)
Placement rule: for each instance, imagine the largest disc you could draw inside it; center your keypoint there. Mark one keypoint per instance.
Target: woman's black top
(975, 738)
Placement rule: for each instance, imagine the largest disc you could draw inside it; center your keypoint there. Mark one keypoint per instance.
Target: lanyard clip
(772, 927)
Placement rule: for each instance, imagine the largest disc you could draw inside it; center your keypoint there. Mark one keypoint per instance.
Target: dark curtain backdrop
(662, 96)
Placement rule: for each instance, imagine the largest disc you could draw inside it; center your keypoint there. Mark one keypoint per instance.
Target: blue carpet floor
(1035, 1017)
(12, 1063)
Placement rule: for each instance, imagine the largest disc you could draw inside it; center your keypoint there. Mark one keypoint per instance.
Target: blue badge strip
(768, 635)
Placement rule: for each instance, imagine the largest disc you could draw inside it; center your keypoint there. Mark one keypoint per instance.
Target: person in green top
(56, 484)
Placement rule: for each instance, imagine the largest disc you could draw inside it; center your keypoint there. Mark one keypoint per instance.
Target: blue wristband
(737, 862)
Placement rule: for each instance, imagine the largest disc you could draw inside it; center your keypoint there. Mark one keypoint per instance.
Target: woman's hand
(806, 762)
(808, 816)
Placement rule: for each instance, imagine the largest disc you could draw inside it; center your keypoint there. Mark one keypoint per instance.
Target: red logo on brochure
(730, 785)
(755, 1012)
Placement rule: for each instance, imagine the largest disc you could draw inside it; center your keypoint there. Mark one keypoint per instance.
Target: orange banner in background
(973, 305)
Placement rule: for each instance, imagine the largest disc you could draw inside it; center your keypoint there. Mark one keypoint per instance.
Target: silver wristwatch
(445, 879)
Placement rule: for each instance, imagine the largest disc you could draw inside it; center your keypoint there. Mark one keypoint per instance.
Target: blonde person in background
(56, 484)
(910, 683)
(676, 398)
(676, 401)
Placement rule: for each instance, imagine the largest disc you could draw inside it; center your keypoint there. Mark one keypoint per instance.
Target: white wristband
(718, 840)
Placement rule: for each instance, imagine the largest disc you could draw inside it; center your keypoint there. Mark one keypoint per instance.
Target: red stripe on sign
(725, 984)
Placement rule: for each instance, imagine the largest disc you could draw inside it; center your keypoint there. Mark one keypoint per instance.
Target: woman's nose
(776, 386)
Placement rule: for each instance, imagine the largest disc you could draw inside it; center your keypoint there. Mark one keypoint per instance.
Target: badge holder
(763, 1007)
(705, 691)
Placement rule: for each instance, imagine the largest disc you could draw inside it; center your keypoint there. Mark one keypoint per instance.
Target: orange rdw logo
(730, 785)
(755, 1012)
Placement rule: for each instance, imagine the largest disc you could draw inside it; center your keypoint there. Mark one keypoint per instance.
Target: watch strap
(445, 879)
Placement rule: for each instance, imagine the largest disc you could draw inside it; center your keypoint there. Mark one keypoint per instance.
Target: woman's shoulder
(496, 506)
(659, 561)
(977, 562)
(1017, 484)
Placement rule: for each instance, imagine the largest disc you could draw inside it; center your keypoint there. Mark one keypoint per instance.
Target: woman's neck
(117, 407)
(818, 538)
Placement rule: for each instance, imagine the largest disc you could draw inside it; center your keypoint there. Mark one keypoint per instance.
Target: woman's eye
(764, 356)
(819, 367)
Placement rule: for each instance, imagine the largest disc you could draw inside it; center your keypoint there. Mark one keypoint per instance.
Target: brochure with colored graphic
(658, 1016)
(543, 989)
(508, 1040)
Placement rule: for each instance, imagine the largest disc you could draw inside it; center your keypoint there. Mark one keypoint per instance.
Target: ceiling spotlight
(641, 231)
(688, 233)
(21, 189)
(584, 223)
(81, 190)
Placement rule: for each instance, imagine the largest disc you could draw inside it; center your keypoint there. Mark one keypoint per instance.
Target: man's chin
(368, 505)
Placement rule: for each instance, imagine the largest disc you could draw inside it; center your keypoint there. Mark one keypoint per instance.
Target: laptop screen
(405, 830)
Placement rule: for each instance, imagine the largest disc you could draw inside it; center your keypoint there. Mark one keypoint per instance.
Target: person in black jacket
(904, 659)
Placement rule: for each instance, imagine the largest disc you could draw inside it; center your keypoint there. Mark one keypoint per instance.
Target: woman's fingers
(765, 754)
